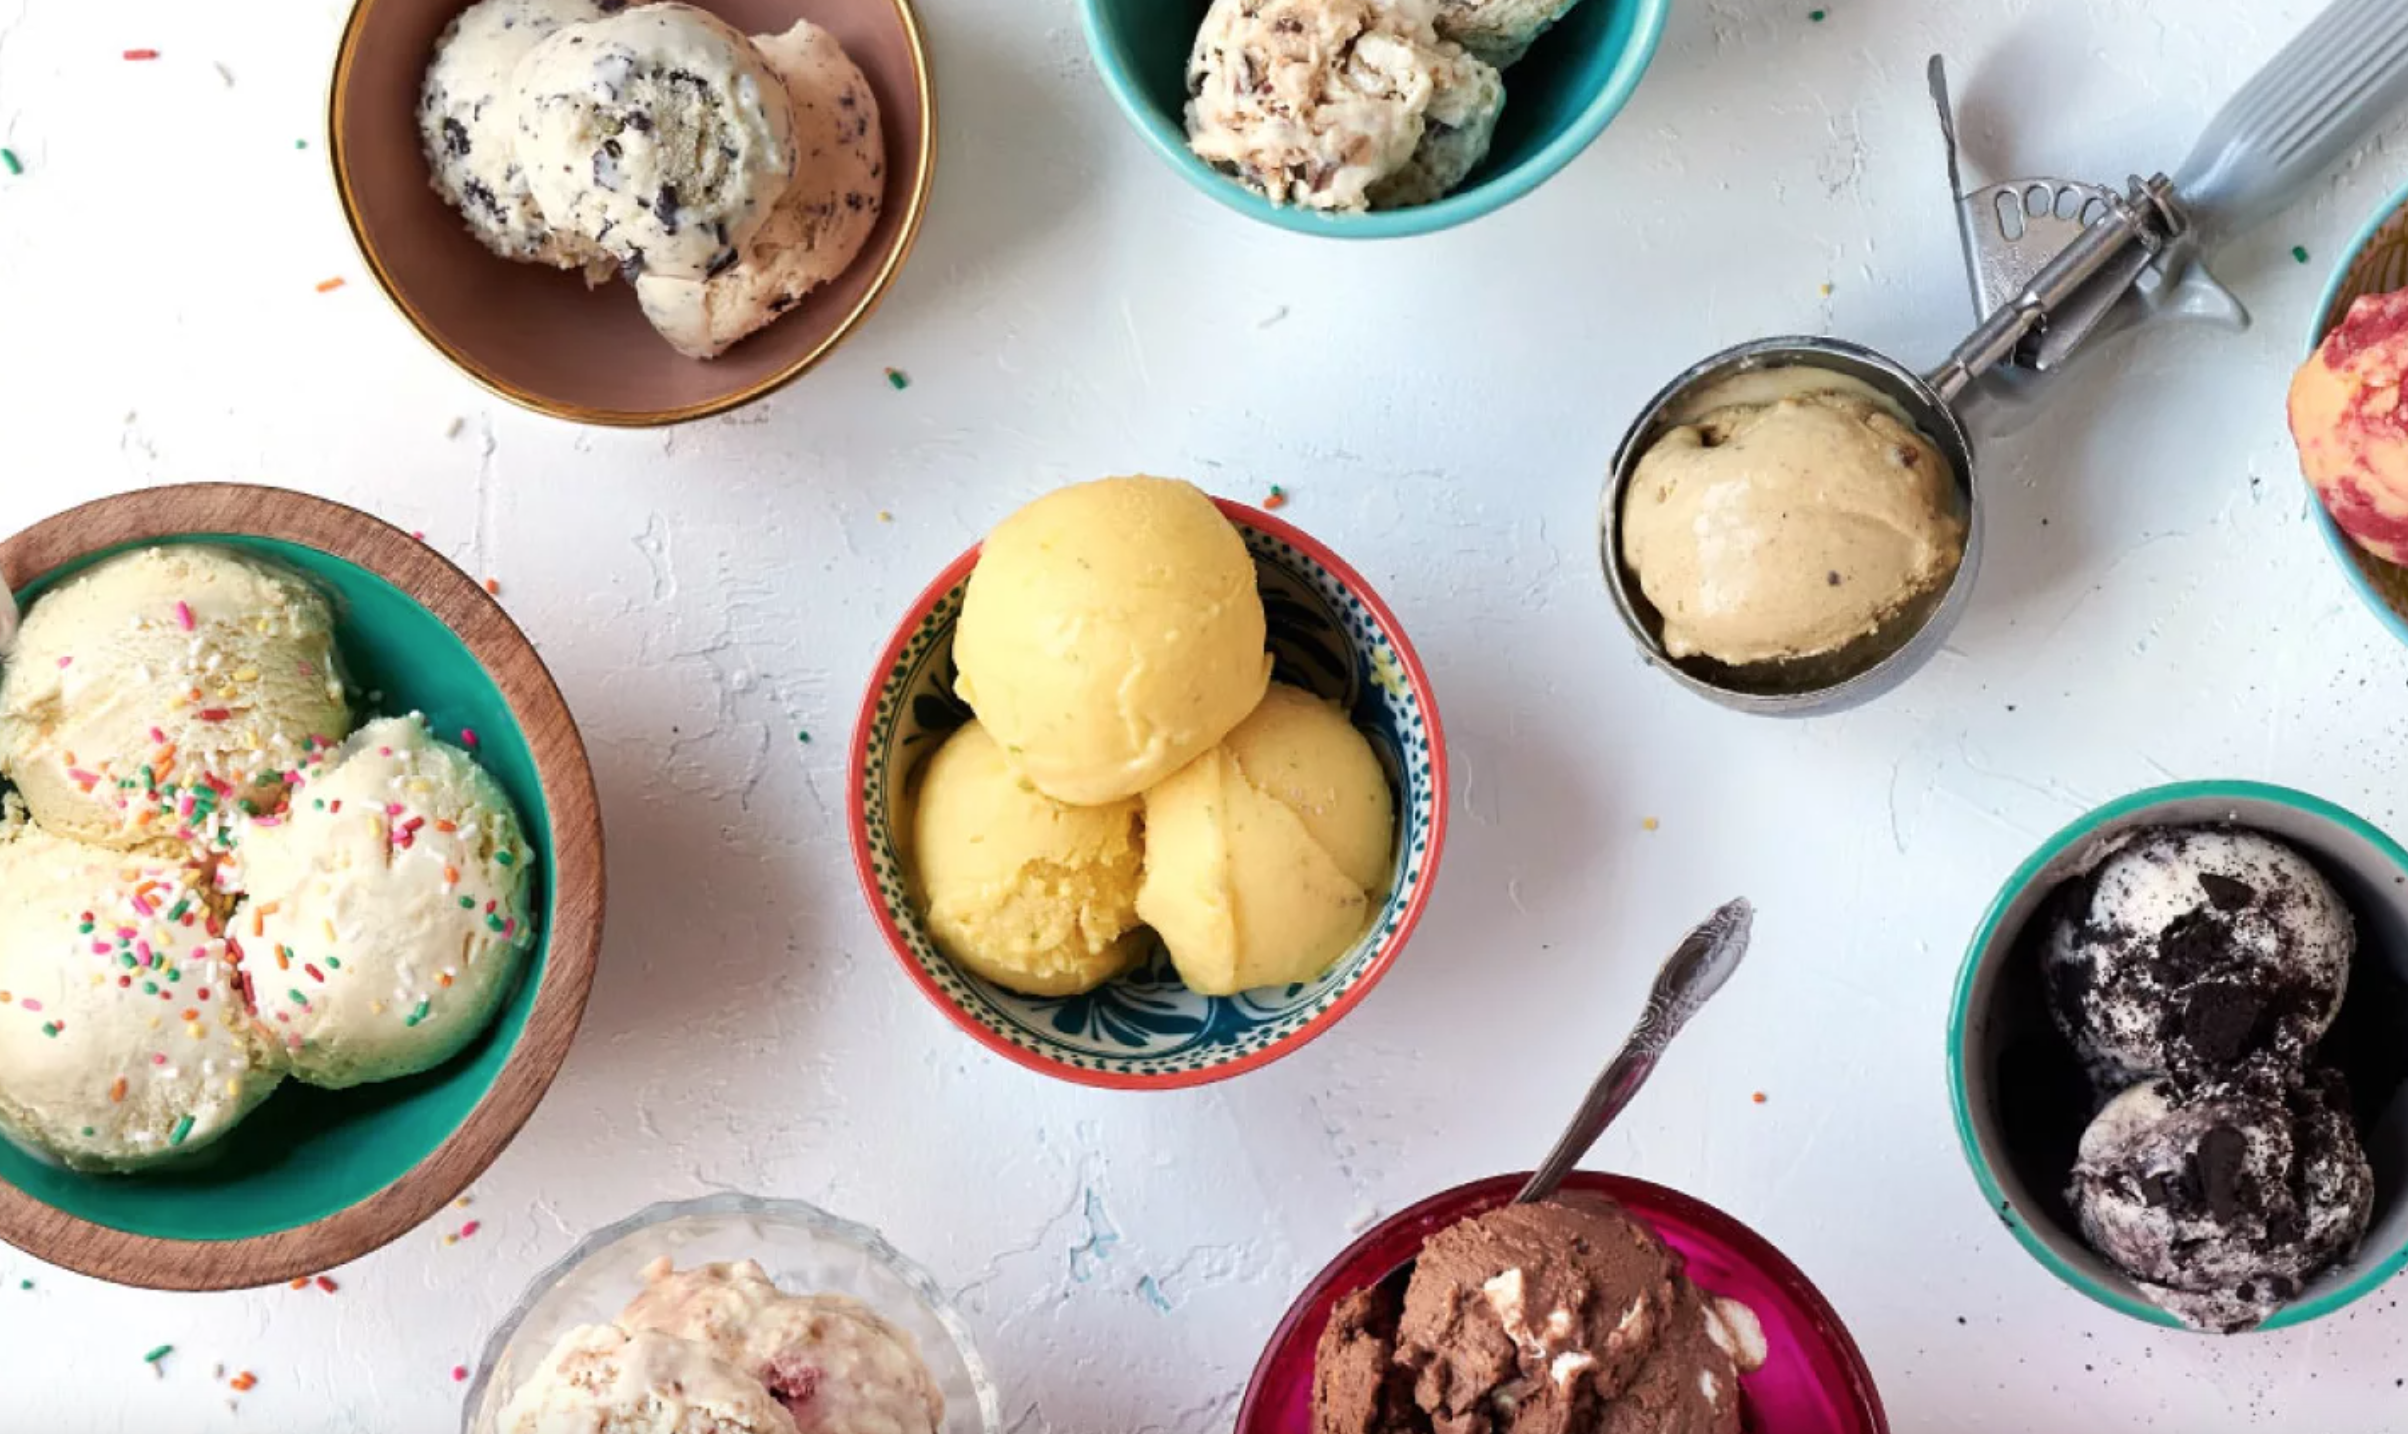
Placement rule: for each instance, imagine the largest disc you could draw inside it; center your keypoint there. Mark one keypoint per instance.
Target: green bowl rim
(1488, 196)
(2345, 551)
(2375, 1274)
(573, 925)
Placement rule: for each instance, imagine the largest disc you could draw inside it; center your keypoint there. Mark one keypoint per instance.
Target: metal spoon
(1696, 969)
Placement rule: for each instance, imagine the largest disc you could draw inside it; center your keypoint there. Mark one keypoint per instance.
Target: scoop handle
(2312, 103)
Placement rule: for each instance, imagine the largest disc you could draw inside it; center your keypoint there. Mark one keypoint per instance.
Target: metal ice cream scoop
(1696, 969)
(2053, 264)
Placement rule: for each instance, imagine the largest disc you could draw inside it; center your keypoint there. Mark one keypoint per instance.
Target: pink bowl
(1814, 1380)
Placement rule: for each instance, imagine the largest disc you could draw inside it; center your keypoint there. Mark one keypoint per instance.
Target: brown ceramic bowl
(537, 336)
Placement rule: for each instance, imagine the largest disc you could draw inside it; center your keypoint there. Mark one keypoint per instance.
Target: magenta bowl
(1814, 1380)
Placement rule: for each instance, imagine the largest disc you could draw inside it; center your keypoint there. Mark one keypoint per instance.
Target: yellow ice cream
(1030, 893)
(124, 1038)
(153, 697)
(1790, 528)
(1263, 854)
(385, 915)
(1111, 632)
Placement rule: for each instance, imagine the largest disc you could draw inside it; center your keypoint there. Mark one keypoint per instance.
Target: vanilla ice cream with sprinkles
(125, 1034)
(384, 916)
(159, 696)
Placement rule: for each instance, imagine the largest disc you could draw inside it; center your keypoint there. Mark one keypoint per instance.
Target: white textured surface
(2155, 606)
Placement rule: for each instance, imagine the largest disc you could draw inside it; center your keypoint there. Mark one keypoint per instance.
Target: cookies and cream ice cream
(2352, 432)
(831, 1362)
(2197, 949)
(601, 1379)
(158, 695)
(2223, 1198)
(1564, 1315)
(125, 1034)
(659, 133)
(1499, 31)
(1338, 105)
(1110, 634)
(1033, 894)
(817, 227)
(1262, 856)
(385, 916)
(468, 125)
(1769, 531)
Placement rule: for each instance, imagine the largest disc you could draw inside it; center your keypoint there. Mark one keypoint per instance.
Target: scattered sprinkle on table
(1817, 16)
(806, 736)
(299, 1283)
(2300, 252)
(897, 379)
(1278, 498)
(326, 1284)
(8, 157)
(244, 1382)
(1826, 291)
(884, 516)
(25, 1284)
(162, 1352)
(1758, 1097)
(142, 54)
(328, 286)
(300, 144)
(1650, 823)
(459, 1374)
(493, 587)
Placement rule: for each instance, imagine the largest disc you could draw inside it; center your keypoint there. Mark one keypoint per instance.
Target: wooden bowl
(317, 1178)
(537, 336)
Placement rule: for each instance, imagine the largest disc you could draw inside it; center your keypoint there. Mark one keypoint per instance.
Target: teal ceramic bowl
(2377, 263)
(1329, 633)
(1558, 99)
(317, 1178)
(2021, 1101)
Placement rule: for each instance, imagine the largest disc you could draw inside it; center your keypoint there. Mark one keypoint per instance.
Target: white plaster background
(2155, 606)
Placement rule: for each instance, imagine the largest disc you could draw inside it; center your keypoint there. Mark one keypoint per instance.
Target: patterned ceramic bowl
(2377, 264)
(1814, 1381)
(1146, 1031)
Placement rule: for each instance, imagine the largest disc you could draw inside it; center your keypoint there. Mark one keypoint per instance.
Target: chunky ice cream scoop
(831, 1362)
(1110, 634)
(157, 696)
(1499, 31)
(2195, 949)
(1341, 105)
(385, 915)
(603, 1380)
(1562, 1315)
(1262, 854)
(658, 133)
(2224, 1198)
(125, 1039)
(1791, 528)
(1033, 894)
(2352, 431)
(468, 124)
(818, 226)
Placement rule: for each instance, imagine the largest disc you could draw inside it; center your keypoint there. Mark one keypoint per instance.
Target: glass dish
(804, 1248)
(1814, 1380)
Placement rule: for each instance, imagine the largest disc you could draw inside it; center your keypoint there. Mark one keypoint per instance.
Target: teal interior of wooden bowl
(310, 1153)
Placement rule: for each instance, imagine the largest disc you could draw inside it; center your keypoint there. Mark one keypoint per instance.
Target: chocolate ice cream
(1562, 1317)
(2223, 1198)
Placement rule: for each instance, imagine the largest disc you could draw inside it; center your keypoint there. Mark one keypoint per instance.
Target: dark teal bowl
(315, 1178)
(1558, 99)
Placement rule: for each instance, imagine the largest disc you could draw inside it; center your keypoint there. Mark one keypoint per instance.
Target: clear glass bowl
(804, 1248)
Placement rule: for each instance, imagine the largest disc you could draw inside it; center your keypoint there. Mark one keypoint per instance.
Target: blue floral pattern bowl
(1330, 633)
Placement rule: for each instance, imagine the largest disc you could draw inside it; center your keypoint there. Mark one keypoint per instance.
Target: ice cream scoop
(1111, 634)
(2352, 432)
(1499, 31)
(1033, 894)
(2222, 1199)
(125, 1035)
(468, 126)
(161, 694)
(2195, 950)
(834, 1363)
(659, 134)
(817, 227)
(385, 916)
(1338, 105)
(600, 1379)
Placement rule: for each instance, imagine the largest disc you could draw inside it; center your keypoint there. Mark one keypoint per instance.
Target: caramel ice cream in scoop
(1789, 515)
